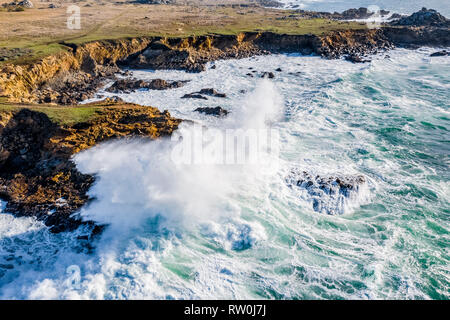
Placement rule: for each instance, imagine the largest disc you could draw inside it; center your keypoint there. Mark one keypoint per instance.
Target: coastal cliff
(77, 74)
(38, 177)
(26, 83)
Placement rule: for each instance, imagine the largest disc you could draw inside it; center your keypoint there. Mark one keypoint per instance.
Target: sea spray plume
(260, 108)
(138, 179)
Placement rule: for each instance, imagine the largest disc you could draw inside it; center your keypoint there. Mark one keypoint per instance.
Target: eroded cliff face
(38, 177)
(82, 64)
(75, 75)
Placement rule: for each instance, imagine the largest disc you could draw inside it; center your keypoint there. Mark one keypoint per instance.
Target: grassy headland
(43, 31)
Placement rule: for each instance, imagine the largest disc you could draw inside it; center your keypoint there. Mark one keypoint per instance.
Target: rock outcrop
(332, 194)
(204, 92)
(80, 67)
(73, 75)
(192, 53)
(217, 111)
(37, 175)
(129, 85)
(424, 18)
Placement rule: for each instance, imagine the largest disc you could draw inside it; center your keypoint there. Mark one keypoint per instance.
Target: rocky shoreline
(76, 75)
(37, 175)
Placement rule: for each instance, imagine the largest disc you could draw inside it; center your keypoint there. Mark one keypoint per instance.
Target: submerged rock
(217, 111)
(333, 194)
(442, 53)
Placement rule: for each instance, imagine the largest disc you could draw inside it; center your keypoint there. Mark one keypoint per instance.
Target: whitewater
(215, 231)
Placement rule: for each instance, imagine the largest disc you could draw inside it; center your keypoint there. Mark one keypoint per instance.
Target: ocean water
(189, 231)
(399, 6)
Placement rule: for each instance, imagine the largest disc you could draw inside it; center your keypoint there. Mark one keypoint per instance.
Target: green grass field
(65, 116)
(46, 31)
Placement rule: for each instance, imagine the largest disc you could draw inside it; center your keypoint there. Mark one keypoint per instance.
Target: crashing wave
(330, 194)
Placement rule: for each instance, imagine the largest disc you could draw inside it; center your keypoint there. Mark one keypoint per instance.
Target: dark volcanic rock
(205, 91)
(129, 85)
(329, 194)
(424, 17)
(211, 92)
(217, 111)
(193, 96)
(442, 53)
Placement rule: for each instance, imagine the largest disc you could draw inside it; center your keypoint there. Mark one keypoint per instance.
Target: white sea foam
(208, 231)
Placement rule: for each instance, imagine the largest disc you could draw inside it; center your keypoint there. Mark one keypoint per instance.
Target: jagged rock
(440, 53)
(69, 88)
(217, 111)
(332, 194)
(359, 43)
(129, 85)
(425, 17)
(161, 56)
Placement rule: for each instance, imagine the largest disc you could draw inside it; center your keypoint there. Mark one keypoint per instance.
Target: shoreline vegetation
(42, 78)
